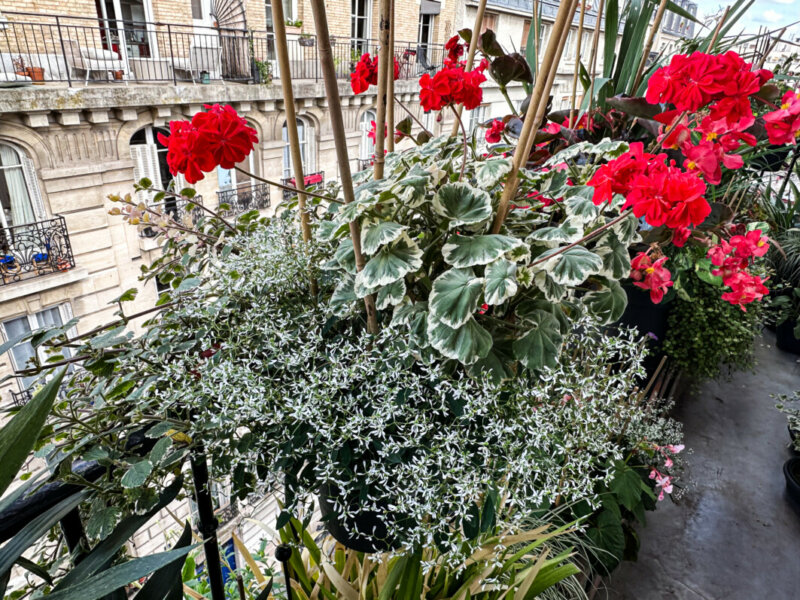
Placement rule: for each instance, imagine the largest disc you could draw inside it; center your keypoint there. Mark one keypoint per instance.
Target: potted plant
(306, 40)
(118, 75)
(790, 406)
(791, 471)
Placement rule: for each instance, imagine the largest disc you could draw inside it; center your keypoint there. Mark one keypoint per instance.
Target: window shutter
(33, 188)
(145, 164)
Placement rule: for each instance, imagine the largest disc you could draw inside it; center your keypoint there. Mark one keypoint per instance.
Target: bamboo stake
(648, 45)
(593, 59)
(577, 63)
(539, 96)
(390, 84)
(340, 141)
(717, 30)
(537, 24)
(383, 72)
(473, 46)
(282, 49)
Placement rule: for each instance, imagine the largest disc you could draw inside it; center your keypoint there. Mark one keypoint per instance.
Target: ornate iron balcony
(34, 249)
(20, 399)
(365, 163)
(243, 198)
(310, 180)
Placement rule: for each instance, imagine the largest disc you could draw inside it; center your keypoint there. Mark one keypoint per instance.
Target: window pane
(20, 353)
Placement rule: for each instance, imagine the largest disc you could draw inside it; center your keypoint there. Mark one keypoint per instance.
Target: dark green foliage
(707, 335)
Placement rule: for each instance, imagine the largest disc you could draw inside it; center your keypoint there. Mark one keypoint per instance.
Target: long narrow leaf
(119, 576)
(18, 438)
(34, 530)
(166, 582)
(610, 37)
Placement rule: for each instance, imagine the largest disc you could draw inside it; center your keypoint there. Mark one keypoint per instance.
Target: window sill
(37, 285)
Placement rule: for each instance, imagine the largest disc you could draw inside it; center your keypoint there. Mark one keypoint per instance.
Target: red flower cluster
(692, 81)
(662, 194)
(493, 134)
(651, 275)
(783, 125)
(451, 85)
(373, 131)
(732, 258)
(366, 73)
(218, 137)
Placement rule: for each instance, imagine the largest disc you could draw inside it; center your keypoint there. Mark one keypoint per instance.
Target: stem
(288, 187)
(384, 25)
(713, 41)
(415, 119)
(464, 136)
(473, 46)
(572, 124)
(585, 238)
(390, 82)
(672, 128)
(646, 53)
(593, 59)
(204, 207)
(504, 91)
(789, 171)
(121, 321)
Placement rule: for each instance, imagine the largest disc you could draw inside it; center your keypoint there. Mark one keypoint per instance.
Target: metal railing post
(172, 56)
(64, 52)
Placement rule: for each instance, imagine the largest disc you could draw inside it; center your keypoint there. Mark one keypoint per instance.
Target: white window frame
(366, 18)
(31, 185)
(146, 164)
(366, 149)
(306, 148)
(64, 313)
(476, 116)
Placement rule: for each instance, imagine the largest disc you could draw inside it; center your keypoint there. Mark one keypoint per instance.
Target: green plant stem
(504, 91)
(410, 114)
(789, 171)
(205, 208)
(464, 136)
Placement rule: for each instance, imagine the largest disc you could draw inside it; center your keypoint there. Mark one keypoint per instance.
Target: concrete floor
(733, 535)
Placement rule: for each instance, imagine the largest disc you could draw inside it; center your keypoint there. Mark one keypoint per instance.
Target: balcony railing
(34, 249)
(364, 163)
(243, 198)
(20, 399)
(312, 179)
(77, 50)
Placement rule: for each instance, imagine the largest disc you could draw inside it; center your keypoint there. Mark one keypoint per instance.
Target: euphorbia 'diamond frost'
(216, 138)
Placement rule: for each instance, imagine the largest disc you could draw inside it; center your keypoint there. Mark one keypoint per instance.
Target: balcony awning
(430, 7)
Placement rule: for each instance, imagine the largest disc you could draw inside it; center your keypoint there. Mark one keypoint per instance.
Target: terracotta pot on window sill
(35, 73)
(291, 29)
(118, 75)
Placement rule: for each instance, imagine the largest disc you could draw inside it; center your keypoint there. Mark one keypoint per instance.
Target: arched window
(150, 160)
(19, 189)
(366, 149)
(305, 134)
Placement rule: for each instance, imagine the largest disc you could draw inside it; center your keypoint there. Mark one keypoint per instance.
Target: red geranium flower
(494, 133)
(745, 288)
(651, 275)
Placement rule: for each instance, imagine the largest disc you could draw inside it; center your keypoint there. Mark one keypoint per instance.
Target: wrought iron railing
(309, 180)
(20, 399)
(34, 249)
(79, 50)
(243, 198)
(364, 163)
(175, 208)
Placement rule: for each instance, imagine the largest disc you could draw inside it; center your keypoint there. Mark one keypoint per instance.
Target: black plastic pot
(365, 521)
(791, 471)
(648, 318)
(773, 160)
(794, 435)
(784, 337)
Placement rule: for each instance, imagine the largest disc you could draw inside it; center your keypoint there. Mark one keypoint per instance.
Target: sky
(773, 14)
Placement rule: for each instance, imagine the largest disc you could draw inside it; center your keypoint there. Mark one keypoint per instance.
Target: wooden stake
(714, 37)
(383, 73)
(390, 86)
(770, 48)
(539, 97)
(473, 45)
(282, 49)
(649, 45)
(593, 59)
(535, 23)
(340, 141)
(577, 64)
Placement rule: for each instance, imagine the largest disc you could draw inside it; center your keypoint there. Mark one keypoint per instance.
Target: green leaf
(491, 171)
(609, 303)
(573, 266)
(469, 251)
(167, 582)
(392, 262)
(497, 363)
(501, 281)
(462, 204)
(160, 450)
(102, 522)
(627, 229)
(627, 485)
(35, 529)
(454, 297)
(188, 283)
(375, 235)
(466, 344)
(540, 346)
(391, 295)
(19, 436)
(553, 292)
(580, 205)
(116, 577)
(608, 538)
(571, 230)
(343, 296)
(616, 260)
(136, 474)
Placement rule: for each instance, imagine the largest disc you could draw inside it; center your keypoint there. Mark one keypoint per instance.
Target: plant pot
(642, 313)
(793, 434)
(784, 337)
(35, 73)
(366, 521)
(118, 75)
(791, 471)
(773, 160)
(307, 42)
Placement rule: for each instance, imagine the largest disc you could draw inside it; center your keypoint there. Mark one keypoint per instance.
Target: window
(290, 10)
(476, 116)
(425, 30)
(429, 121)
(305, 134)
(150, 160)
(19, 189)
(526, 30)
(23, 352)
(366, 149)
(489, 21)
(360, 17)
(230, 179)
